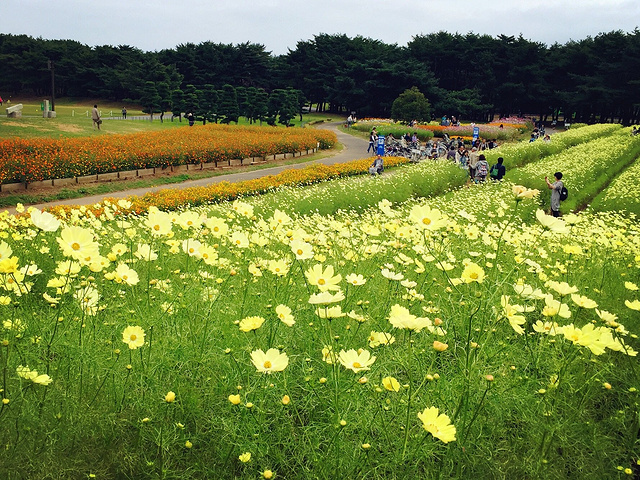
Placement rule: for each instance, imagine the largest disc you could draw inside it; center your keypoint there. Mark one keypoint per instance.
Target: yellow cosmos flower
(427, 218)
(279, 268)
(551, 223)
(88, 298)
(400, 317)
(355, 279)
(521, 192)
(78, 243)
(170, 397)
(582, 301)
(270, 361)
(301, 249)
(44, 220)
(239, 239)
(608, 317)
(144, 252)
(472, 273)
(391, 384)
(324, 279)
(438, 425)
(355, 361)
(284, 314)
(235, 399)
(217, 226)
(380, 338)
(9, 265)
(125, 274)
(391, 275)
(326, 298)
(28, 374)
(159, 223)
(572, 249)
(251, 323)
(635, 305)
(554, 307)
(550, 328)
(563, 288)
(245, 457)
(42, 379)
(133, 337)
(630, 286)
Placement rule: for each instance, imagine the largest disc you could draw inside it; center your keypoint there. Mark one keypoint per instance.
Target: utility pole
(51, 66)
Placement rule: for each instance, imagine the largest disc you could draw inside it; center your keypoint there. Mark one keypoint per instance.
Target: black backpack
(564, 193)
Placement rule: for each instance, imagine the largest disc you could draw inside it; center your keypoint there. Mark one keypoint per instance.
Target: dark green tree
(260, 106)
(150, 99)
(411, 105)
(228, 105)
(209, 103)
(178, 103)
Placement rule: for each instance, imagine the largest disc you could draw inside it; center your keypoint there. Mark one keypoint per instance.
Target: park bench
(14, 111)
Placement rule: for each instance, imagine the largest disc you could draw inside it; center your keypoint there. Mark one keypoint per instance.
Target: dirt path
(354, 148)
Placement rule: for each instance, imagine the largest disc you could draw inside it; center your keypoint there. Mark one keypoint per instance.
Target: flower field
(622, 193)
(30, 160)
(392, 327)
(587, 167)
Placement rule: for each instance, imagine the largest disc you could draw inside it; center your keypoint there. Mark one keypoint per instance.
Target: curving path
(354, 148)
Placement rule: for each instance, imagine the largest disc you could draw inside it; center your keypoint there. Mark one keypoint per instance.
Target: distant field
(73, 119)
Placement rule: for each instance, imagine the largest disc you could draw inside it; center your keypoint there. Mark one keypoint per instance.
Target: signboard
(476, 133)
(380, 147)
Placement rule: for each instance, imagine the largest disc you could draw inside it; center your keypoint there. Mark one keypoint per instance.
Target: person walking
(95, 116)
(124, 112)
(555, 187)
(373, 136)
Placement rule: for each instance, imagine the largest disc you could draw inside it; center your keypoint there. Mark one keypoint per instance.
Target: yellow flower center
(156, 227)
(474, 275)
(357, 365)
(133, 337)
(75, 246)
(321, 281)
(216, 229)
(299, 251)
(267, 364)
(426, 221)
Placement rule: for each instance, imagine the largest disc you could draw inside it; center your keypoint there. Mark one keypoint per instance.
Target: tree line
(473, 76)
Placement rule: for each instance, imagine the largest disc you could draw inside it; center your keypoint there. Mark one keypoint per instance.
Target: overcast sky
(280, 24)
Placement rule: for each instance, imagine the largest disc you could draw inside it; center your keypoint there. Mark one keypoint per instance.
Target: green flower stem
(409, 399)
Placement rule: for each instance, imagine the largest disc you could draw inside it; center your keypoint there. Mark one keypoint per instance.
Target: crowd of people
(455, 150)
(472, 159)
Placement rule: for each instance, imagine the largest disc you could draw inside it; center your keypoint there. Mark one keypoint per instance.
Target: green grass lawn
(73, 119)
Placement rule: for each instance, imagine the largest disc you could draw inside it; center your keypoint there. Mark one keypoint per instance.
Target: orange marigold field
(169, 199)
(32, 160)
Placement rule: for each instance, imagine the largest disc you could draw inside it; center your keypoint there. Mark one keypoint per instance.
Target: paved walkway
(354, 148)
